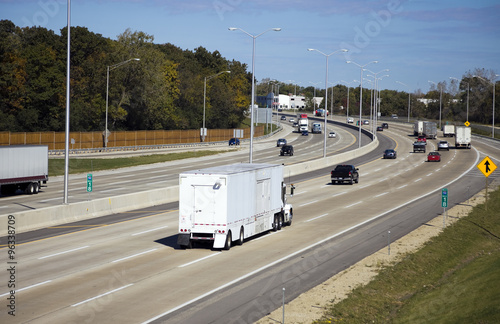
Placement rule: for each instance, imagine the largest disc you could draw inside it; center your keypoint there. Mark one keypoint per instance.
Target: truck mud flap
(183, 239)
(219, 241)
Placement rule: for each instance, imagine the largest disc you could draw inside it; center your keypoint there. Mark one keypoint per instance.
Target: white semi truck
(462, 137)
(228, 204)
(448, 130)
(418, 128)
(23, 167)
(430, 130)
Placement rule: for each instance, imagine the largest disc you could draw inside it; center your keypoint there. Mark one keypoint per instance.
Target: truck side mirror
(292, 188)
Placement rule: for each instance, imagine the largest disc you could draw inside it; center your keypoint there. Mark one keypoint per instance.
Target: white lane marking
(340, 193)
(364, 186)
(429, 174)
(101, 295)
(204, 258)
(132, 256)
(299, 193)
(379, 195)
(25, 288)
(4, 206)
(124, 176)
(151, 230)
(377, 170)
(316, 218)
(68, 251)
(418, 180)
(311, 202)
(402, 186)
(45, 200)
(356, 203)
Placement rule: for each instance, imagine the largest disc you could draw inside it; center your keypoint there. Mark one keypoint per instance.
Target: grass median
(454, 278)
(56, 166)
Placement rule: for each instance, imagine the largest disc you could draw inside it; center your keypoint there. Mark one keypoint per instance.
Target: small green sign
(89, 182)
(444, 198)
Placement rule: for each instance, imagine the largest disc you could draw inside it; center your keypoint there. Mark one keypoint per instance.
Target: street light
(493, 113)
(360, 93)
(377, 95)
(440, 99)
(408, 99)
(204, 100)
(348, 87)
(253, 82)
(112, 67)
(326, 89)
(459, 81)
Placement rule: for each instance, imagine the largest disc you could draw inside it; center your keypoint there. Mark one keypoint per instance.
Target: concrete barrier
(62, 214)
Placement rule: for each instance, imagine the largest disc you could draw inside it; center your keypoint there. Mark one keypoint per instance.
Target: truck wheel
(240, 241)
(36, 188)
(280, 221)
(229, 241)
(275, 223)
(188, 246)
(30, 189)
(290, 217)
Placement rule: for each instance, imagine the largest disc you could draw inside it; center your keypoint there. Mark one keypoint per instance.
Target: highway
(127, 267)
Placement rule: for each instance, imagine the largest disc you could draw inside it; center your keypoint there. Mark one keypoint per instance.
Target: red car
(422, 138)
(434, 157)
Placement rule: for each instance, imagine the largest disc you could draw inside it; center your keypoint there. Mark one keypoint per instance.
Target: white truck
(448, 130)
(418, 128)
(462, 137)
(303, 124)
(228, 204)
(23, 167)
(430, 130)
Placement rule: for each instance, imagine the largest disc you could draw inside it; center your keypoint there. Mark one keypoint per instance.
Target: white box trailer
(226, 204)
(23, 167)
(463, 137)
(418, 128)
(448, 130)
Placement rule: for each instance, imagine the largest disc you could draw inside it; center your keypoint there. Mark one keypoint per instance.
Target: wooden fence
(87, 140)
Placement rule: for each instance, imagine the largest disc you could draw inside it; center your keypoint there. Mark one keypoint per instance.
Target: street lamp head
(311, 49)
(232, 28)
(348, 62)
(344, 50)
(277, 29)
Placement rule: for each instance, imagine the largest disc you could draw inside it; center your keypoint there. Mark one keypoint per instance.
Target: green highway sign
(89, 182)
(444, 198)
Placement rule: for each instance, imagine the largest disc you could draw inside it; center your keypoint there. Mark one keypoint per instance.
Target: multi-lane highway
(130, 270)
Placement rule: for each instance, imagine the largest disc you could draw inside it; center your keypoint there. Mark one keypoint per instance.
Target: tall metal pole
(326, 92)
(253, 84)
(66, 144)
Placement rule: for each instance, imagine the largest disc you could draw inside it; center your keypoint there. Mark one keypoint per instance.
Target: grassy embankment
(454, 278)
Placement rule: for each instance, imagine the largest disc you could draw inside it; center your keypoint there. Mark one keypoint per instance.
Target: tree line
(470, 96)
(164, 89)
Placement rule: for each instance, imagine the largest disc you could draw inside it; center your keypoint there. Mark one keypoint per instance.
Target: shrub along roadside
(454, 278)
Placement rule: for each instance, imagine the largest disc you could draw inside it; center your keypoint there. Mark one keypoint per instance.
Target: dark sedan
(234, 141)
(286, 149)
(390, 154)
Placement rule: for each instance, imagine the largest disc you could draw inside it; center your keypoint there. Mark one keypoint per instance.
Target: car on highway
(385, 125)
(295, 124)
(283, 117)
(344, 173)
(366, 122)
(350, 120)
(332, 135)
(292, 120)
(419, 147)
(281, 142)
(443, 145)
(380, 128)
(305, 133)
(286, 149)
(434, 157)
(390, 154)
(234, 141)
(394, 116)
(422, 139)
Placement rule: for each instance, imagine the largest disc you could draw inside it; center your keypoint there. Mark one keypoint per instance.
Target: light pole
(314, 95)
(348, 87)
(408, 99)
(253, 83)
(112, 67)
(493, 110)
(360, 94)
(440, 99)
(377, 95)
(204, 101)
(459, 82)
(326, 89)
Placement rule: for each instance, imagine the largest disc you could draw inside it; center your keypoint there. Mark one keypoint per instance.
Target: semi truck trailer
(430, 130)
(23, 167)
(462, 137)
(225, 205)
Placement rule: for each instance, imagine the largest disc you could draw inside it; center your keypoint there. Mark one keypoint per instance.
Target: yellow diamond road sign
(467, 123)
(486, 166)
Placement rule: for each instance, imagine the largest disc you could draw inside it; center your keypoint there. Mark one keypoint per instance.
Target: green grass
(56, 166)
(454, 278)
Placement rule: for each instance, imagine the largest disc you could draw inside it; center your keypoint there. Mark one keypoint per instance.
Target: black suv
(286, 149)
(385, 125)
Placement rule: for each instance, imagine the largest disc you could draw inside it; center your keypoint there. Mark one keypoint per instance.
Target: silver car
(443, 145)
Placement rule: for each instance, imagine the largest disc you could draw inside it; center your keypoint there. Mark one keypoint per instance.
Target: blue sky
(417, 40)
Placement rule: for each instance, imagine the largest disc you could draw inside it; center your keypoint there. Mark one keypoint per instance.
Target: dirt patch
(310, 305)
